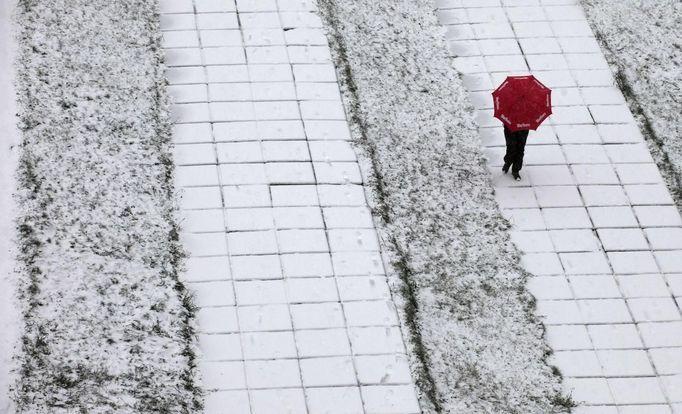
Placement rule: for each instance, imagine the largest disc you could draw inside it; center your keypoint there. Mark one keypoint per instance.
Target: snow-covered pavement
(295, 311)
(597, 225)
(9, 312)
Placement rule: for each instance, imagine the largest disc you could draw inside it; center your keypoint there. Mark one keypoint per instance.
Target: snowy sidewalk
(596, 223)
(295, 311)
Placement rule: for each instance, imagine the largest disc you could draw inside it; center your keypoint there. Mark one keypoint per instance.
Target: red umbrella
(522, 102)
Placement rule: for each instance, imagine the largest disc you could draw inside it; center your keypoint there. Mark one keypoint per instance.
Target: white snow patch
(9, 138)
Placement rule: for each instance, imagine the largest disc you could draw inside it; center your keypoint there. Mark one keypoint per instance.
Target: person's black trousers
(516, 144)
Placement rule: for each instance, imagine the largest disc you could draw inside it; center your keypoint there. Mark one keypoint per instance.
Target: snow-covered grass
(9, 315)
(477, 345)
(107, 325)
(642, 40)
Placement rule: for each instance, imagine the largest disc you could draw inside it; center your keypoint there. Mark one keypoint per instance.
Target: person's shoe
(516, 175)
(505, 168)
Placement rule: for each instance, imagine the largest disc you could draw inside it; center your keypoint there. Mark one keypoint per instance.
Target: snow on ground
(642, 40)
(106, 321)
(473, 330)
(9, 316)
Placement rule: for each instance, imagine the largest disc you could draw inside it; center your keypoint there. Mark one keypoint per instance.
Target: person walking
(522, 103)
(516, 144)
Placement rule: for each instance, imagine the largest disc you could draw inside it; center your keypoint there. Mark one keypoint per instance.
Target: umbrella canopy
(522, 102)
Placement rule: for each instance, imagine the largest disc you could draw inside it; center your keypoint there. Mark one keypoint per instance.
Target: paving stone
(654, 309)
(277, 401)
(334, 400)
(661, 334)
(593, 174)
(653, 216)
(568, 337)
(268, 345)
(639, 173)
(625, 363)
(322, 342)
(585, 263)
(612, 216)
(577, 363)
(577, 134)
(633, 262)
(566, 218)
(396, 398)
(615, 336)
(669, 261)
(383, 369)
(260, 292)
(622, 239)
(589, 390)
(604, 311)
(574, 240)
(542, 263)
(636, 390)
(646, 285)
(554, 312)
(594, 287)
(330, 371)
(532, 241)
(218, 293)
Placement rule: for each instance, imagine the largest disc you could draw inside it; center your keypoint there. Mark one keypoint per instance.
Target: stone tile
(646, 285)
(589, 390)
(614, 216)
(636, 390)
(585, 263)
(334, 400)
(592, 174)
(272, 374)
(604, 311)
(615, 336)
(390, 398)
(622, 239)
(532, 241)
(664, 238)
(542, 263)
(577, 363)
(658, 216)
(376, 340)
(661, 334)
(558, 196)
(633, 262)
(330, 371)
(654, 309)
(566, 218)
(574, 240)
(594, 287)
(554, 312)
(277, 401)
(568, 337)
(322, 342)
(268, 345)
(238, 401)
(625, 363)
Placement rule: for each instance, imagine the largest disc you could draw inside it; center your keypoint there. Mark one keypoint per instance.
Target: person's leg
(520, 142)
(520, 146)
(511, 150)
